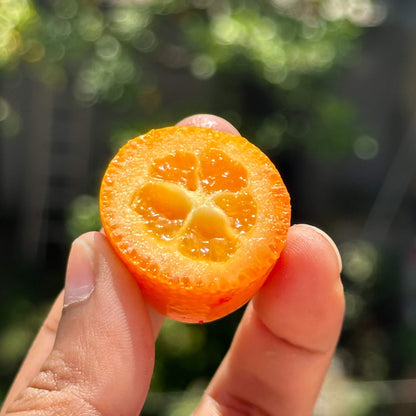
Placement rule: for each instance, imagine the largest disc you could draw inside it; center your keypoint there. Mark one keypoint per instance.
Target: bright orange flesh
(198, 216)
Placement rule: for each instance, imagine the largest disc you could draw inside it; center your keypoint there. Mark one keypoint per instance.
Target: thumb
(103, 356)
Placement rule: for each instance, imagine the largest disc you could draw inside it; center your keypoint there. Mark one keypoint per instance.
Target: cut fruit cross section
(198, 216)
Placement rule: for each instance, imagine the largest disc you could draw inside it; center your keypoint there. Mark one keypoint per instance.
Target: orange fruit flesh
(198, 216)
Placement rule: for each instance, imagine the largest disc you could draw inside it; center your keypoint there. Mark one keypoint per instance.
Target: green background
(324, 87)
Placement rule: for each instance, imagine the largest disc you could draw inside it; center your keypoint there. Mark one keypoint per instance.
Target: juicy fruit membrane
(198, 216)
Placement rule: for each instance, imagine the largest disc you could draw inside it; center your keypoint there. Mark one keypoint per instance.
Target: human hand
(94, 354)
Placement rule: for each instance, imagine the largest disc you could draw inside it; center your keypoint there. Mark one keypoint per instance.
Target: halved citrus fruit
(198, 216)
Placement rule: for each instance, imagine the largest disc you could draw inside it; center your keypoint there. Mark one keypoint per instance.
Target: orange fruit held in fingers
(198, 216)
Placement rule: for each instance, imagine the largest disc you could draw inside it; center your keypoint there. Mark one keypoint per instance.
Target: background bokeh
(327, 88)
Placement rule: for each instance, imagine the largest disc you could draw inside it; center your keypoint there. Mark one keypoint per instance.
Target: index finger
(286, 339)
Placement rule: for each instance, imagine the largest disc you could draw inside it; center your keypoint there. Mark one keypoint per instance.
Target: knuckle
(234, 405)
(56, 390)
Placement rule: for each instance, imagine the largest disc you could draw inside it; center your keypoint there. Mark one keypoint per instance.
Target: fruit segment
(241, 209)
(179, 168)
(219, 172)
(163, 207)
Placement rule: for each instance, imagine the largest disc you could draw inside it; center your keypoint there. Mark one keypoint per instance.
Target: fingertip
(210, 121)
(303, 298)
(315, 233)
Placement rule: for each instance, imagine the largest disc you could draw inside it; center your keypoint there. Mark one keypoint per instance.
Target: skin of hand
(94, 354)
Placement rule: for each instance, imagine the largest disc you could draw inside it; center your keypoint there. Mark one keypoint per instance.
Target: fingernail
(80, 278)
(210, 121)
(332, 243)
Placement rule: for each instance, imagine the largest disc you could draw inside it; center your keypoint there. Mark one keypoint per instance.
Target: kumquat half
(198, 216)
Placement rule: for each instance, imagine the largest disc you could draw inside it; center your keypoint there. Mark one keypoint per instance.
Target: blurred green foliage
(112, 54)
(267, 66)
(83, 215)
